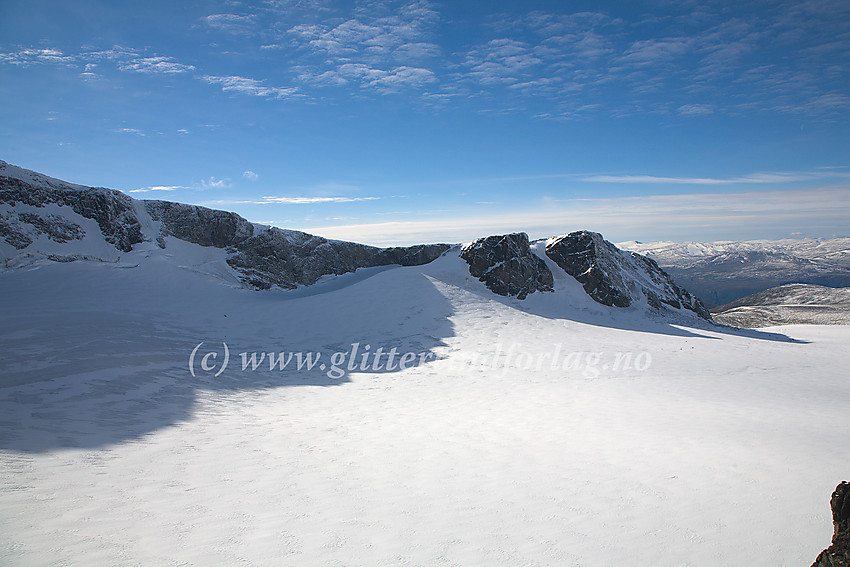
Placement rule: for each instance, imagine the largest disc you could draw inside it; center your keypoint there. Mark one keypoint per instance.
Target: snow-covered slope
(720, 272)
(547, 431)
(155, 411)
(791, 304)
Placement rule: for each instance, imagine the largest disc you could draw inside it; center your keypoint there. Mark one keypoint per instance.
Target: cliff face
(838, 554)
(288, 258)
(112, 210)
(507, 266)
(617, 278)
(198, 225)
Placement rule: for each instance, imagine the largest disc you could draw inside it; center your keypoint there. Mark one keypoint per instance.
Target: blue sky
(393, 122)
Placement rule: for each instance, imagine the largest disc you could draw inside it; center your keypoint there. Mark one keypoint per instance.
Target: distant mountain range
(721, 272)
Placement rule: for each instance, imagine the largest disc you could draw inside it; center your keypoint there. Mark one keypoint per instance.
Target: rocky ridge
(34, 207)
(261, 256)
(618, 278)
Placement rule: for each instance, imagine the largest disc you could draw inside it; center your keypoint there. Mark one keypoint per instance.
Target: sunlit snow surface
(722, 450)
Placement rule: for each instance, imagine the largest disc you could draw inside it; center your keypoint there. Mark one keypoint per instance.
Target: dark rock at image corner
(838, 554)
(507, 266)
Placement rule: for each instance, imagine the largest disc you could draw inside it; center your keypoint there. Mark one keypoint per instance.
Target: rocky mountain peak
(507, 266)
(617, 278)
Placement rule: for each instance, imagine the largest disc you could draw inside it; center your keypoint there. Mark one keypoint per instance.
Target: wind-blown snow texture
(552, 430)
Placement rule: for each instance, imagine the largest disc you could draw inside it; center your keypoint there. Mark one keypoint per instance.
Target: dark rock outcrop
(11, 232)
(589, 259)
(507, 266)
(417, 255)
(289, 258)
(199, 225)
(838, 554)
(617, 278)
(112, 210)
(56, 228)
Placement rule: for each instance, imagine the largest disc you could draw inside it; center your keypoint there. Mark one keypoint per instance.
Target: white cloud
(231, 23)
(272, 200)
(778, 177)
(501, 60)
(385, 47)
(383, 80)
(311, 200)
(158, 188)
(696, 109)
(156, 65)
(250, 175)
(29, 56)
(653, 51)
(213, 183)
(726, 216)
(134, 131)
(252, 87)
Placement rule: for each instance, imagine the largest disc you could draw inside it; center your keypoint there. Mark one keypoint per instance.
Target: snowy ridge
(37, 179)
(44, 220)
(40, 215)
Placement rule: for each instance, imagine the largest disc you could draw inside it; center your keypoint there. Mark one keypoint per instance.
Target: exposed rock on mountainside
(33, 206)
(199, 225)
(838, 554)
(262, 257)
(720, 272)
(112, 210)
(617, 278)
(288, 258)
(788, 305)
(507, 266)
(410, 255)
